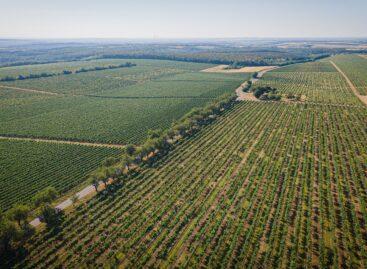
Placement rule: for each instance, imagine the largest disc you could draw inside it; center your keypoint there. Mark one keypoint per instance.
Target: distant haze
(182, 19)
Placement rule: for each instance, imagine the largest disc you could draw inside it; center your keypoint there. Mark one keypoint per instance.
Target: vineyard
(355, 67)
(28, 167)
(277, 185)
(116, 106)
(112, 106)
(317, 82)
(265, 185)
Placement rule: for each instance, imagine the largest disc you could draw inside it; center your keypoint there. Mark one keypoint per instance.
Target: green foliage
(58, 165)
(266, 94)
(53, 217)
(314, 82)
(19, 213)
(47, 195)
(355, 67)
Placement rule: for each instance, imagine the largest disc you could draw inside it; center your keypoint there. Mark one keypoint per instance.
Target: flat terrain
(86, 117)
(355, 67)
(269, 184)
(108, 106)
(30, 166)
(317, 82)
(247, 69)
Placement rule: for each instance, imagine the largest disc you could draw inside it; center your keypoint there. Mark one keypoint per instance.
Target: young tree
(45, 196)
(8, 234)
(110, 161)
(19, 213)
(74, 199)
(94, 181)
(51, 216)
(130, 149)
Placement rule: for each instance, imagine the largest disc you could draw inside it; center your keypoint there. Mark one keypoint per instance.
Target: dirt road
(68, 202)
(241, 95)
(88, 144)
(29, 90)
(363, 98)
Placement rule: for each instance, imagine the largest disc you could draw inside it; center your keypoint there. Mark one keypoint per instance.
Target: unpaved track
(88, 144)
(68, 202)
(363, 98)
(242, 96)
(248, 69)
(29, 90)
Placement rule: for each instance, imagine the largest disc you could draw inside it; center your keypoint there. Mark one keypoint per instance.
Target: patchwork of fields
(116, 106)
(113, 106)
(269, 184)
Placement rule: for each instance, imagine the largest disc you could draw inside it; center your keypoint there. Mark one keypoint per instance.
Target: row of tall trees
(158, 143)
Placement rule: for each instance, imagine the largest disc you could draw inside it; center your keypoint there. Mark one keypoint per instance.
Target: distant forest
(13, 53)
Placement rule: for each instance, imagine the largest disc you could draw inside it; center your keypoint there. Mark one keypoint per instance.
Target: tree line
(65, 72)
(14, 226)
(158, 143)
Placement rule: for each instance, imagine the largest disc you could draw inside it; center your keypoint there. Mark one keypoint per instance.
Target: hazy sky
(184, 18)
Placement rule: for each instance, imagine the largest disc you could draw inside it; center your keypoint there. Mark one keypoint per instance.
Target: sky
(182, 18)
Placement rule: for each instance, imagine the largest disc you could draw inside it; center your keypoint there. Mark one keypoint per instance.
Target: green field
(203, 205)
(355, 67)
(118, 105)
(27, 167)
(267, 185)
(109, 106)
(317, 82)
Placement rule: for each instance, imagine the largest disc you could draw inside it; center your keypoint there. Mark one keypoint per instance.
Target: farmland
(30, 166)
(261, 186)
(114, 106)
(355, 67)
(317, 82)
(268, 184)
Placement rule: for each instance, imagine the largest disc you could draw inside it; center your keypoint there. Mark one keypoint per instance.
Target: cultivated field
(317, 82)
(27, 167)
(114, 106)
(355, 67)
(269, 184)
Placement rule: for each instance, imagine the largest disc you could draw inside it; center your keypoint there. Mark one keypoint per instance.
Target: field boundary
(56, 141)
(241, 95)
(29, 90)
(351, 85)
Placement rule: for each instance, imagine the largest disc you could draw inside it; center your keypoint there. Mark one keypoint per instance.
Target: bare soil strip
(29, 90)
(363, 98)
(363, 56)
(248, 69)
(68, 202)
(88, 144)
(241, 95)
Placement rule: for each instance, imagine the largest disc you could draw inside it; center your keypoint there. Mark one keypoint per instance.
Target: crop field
(94, 119)
(277, 185)
(117, 81)
(27, 167)
(15, 71)
(116, 106)
(267, 185)
(318, 82)
(355, 67)
(112, 106)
